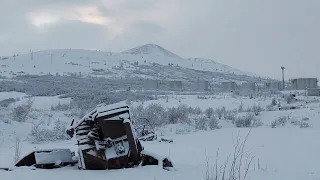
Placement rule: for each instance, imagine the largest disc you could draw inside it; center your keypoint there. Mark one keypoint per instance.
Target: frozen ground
(281, 153)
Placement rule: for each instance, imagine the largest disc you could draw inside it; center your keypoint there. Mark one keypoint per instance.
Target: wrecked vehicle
(106, 140)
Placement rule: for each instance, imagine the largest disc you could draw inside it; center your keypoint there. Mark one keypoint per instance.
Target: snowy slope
(107, 64)
(151, 49)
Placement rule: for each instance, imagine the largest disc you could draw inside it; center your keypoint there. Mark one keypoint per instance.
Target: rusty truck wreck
(105, 138)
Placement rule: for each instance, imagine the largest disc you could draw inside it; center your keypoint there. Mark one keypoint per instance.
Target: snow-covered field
(284, 152)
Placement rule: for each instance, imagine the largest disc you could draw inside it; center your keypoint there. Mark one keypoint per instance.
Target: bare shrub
(295, 122)
(245, 121)
(201, 123)
(236, 165)
(213, 123)
(281, 121)
(42, 133)
(179, 114)
(288, 99)
(196, 110)
(256, 109)
(5, 115)
(209, 112)
(155, 113)
(17, 149)
(257, 122)
(240, 108)
(230, 115)
(304, 125)
(136, 112)
(60, 107)
(7, 102)
(305, 119)
(20, 112)
(220, 112)
(269, 107)
(274, 101)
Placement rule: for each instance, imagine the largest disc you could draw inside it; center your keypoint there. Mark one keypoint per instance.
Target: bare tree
(235, 167)
(17, 149)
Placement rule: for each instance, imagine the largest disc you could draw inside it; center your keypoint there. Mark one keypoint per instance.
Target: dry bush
(245, 121)
(196, 110)
(209, 112)
(42, 133)
(155, 113)
(7, 102)
(213, 123)
(236, 165)
(60, 107)
(179, 114)
(274, 101)
(256, 109)
(240, 108)
(230, 115)
(304, 125)
(201, 123)
(20, 112)
(220, 112)
(17, 149)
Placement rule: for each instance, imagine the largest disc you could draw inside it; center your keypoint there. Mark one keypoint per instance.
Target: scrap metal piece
(48, 159)
(106, 139)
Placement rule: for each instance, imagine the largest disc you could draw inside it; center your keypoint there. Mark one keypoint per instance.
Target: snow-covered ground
(284, 152)
(279, 154)
(13, 94)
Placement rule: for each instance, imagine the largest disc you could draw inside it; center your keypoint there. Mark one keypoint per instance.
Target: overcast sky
(258, 36)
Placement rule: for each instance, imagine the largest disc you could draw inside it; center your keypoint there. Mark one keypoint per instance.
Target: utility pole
(283, 84)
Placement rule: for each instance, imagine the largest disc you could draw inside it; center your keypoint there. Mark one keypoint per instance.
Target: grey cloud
(138, 4)
(147, 27)
(253, 35)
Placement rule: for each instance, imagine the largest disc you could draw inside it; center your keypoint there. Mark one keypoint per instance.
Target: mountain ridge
(109, 64)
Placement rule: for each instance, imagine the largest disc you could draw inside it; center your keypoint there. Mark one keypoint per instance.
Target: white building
(229, 86)
(274, 85)
(304, 83)
(250, 86)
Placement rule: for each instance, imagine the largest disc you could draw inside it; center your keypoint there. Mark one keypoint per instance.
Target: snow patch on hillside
(151, 49)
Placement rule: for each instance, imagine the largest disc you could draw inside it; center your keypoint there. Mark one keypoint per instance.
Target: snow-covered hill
(106, 64)
(151, 49)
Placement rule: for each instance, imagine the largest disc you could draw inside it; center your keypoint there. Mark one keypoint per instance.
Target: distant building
(151, 84)
(175, 85)
(202, 85)
(304, 83)
(274, 85)
(250, 86)
(229, 86)
(313, 92)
